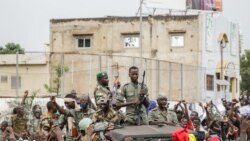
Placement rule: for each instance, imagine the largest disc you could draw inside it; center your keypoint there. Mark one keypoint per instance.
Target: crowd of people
(83, 120)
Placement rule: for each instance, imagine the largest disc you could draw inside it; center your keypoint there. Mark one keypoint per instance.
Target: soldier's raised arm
(25, 95)
(59, 108)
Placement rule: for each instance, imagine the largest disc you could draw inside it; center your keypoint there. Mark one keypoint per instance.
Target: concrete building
(33, 73)
(181, 54)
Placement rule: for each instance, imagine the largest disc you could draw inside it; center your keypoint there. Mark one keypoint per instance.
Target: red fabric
(190, 125)
(180, 135)
(213, 138)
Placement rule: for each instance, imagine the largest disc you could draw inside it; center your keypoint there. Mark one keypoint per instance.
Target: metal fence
(176, 81)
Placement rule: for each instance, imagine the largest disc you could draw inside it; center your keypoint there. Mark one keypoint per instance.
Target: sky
(26, 22)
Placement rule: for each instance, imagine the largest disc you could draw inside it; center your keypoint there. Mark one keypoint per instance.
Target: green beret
(101, 74)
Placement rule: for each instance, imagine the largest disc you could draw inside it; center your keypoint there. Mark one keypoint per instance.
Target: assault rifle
(141, 99)
(115, 87)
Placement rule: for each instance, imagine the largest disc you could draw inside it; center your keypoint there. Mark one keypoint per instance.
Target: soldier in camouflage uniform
(104, 119)
(102, 89)
(86, 111)
(132, 92)
(105, 113)
(74, 113)
(18, 122)
(48, 128)
(161, 114)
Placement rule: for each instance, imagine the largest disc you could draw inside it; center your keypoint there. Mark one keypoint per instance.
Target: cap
(101, 74)
(161, 96)
(84, 123)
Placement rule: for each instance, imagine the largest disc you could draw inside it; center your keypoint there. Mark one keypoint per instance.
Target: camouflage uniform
(100, 117)
(102, 121)
(101, 91)
(131, 92)
(77, 115)
(55, 133)
(157, 115)
(19, 124)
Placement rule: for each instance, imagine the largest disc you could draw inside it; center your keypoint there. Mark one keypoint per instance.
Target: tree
(245, 71)
(11, 48)
(56, 83)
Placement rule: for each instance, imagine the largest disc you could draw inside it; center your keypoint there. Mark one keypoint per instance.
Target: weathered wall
(175, 80)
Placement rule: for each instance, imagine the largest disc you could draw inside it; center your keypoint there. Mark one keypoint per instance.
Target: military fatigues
(101, 121)
(101, 91)
(110, 116)
(55, 133)
(167, 115)
(19, 124)
(77, 116)
(131, 92)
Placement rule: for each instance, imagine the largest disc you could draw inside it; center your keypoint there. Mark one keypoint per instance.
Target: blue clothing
(152, 105)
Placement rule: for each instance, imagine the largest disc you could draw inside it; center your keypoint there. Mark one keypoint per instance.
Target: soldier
(161, 114)
(19, 123)
(74, 113)
(102, 89)
(104, 119)
(105, 113)
(86, 111)
(135, 106)
(90, 131)
(68, 117)
(48, 128)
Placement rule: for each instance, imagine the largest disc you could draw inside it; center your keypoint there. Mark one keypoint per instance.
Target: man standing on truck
(136, 96)
(102, 89)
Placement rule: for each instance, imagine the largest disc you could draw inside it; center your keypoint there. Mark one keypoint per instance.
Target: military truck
(145, 133)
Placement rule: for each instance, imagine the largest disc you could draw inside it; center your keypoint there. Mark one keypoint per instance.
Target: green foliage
(245, 71)
(28, 102)
(56, 82)
(11, 48)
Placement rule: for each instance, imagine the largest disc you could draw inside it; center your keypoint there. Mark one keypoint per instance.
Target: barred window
(4, 79)
(210, 82)
(14, 81)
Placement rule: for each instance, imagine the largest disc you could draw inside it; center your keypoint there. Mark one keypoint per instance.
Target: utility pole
(62, 75)
(140, 36)
(17, 75)
(72, 74)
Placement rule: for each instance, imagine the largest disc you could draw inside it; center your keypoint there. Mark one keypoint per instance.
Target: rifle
(141, 99)
(115, 87)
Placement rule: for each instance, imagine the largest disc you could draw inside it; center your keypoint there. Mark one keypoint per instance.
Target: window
(13, 82)
(210, 82)
(83, 41)
(4, 79)
(177, 39)
(131, 41)
(218, 78)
